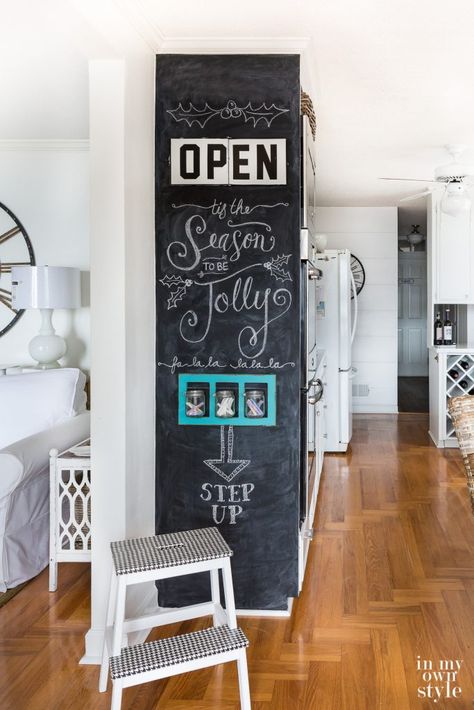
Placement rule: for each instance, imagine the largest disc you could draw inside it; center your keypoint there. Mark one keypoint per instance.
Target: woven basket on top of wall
(461, 410)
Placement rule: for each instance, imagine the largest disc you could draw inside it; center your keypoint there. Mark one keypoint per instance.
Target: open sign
(243, 161)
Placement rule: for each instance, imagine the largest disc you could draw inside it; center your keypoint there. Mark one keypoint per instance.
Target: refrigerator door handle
(356, 309)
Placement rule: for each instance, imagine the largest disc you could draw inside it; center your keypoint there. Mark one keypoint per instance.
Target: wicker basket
(461, 410)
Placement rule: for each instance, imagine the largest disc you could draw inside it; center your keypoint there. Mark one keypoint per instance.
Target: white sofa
(38, 411)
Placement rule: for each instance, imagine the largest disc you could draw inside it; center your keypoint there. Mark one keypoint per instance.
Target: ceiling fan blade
(407, 179)
(415, 197)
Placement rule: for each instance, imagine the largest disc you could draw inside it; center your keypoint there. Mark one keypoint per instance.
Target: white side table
(69, 508)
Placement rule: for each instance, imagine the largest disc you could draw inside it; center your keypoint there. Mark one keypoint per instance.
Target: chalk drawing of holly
(178, 287)
(276, 267)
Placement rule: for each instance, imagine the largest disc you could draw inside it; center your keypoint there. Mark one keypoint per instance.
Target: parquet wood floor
(390, 578)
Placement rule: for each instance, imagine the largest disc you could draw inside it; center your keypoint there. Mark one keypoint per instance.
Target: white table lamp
(46, 288)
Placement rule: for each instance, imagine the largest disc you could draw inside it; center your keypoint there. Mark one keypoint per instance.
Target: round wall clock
(358, 274)
(15, 250)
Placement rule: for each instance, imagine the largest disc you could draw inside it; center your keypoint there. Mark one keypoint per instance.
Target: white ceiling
(394, 80)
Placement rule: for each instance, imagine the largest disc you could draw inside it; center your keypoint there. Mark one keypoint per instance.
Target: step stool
(161, 557)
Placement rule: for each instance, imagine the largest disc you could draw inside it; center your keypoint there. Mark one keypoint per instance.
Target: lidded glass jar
(254, 404)
(225, 404)
(195, 403)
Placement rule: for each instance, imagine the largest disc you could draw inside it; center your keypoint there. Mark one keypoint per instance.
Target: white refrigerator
(335, 333)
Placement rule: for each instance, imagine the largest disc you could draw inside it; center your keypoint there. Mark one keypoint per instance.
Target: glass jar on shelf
(255, 404)
(195, 403)
(225, 404)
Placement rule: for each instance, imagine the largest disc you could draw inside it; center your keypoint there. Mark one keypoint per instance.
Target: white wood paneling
(366, 245)
(379, 270)
(371, 234)
(375, 348)
(379, 298)
(376, 374)
(357, 219)
(375, 322)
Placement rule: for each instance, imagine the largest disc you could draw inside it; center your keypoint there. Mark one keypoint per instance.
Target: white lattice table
(70, 508)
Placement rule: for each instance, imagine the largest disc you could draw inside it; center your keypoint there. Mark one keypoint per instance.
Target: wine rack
(459, 381)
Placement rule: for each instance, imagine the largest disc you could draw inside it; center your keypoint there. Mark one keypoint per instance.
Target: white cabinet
(451, 375)
(452, 256)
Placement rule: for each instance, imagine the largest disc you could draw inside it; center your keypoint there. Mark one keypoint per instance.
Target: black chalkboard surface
(227, 296)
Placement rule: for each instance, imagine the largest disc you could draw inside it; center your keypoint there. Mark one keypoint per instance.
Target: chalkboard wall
(227, 295)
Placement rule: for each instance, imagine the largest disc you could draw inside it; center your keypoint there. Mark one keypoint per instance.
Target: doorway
(412, 346)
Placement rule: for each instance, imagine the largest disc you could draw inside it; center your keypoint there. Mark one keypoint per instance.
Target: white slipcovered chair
(38, 411)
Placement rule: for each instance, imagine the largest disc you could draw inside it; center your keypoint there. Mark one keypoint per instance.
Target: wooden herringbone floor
(390, 578)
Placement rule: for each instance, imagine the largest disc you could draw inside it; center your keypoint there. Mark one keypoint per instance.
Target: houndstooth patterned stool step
(160, 557)
(164, 653)
(168, 550)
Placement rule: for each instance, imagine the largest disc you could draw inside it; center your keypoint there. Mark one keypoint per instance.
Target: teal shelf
(241, 381)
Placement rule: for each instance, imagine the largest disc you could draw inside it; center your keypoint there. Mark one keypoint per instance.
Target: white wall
(46, 185)
(371, 234)
(123, 323)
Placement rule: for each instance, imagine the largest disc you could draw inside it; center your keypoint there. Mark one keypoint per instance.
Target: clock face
(358, 274)
(15, 250)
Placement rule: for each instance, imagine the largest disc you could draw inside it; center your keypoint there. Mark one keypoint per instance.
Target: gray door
(412, 349)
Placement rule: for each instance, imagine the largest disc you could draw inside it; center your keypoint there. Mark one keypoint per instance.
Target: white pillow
(35, 401)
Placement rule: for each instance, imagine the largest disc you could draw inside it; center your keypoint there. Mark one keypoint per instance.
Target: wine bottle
(447, 330)
(454, 374)
(464, 384)
(438, 330)
(464, 364)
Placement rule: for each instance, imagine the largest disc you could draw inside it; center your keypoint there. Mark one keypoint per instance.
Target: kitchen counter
(451, 349)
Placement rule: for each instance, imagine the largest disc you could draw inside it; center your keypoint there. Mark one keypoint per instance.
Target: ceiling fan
(454, 179)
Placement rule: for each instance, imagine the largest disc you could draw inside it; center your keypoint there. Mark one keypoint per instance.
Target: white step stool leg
(229, 594)
(119, 616)
(117, 695)
(53, 574)
(243, 681)
(104, 668)
(215, 593)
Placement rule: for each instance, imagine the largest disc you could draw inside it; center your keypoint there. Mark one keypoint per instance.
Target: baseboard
(449, 444)
(268, 612)
(94, 638)
(444, 443)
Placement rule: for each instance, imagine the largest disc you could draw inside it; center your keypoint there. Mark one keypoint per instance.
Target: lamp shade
(46, 287)
(456, 199)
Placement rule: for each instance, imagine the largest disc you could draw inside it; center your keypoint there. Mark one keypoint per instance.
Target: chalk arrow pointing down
(227, 467)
